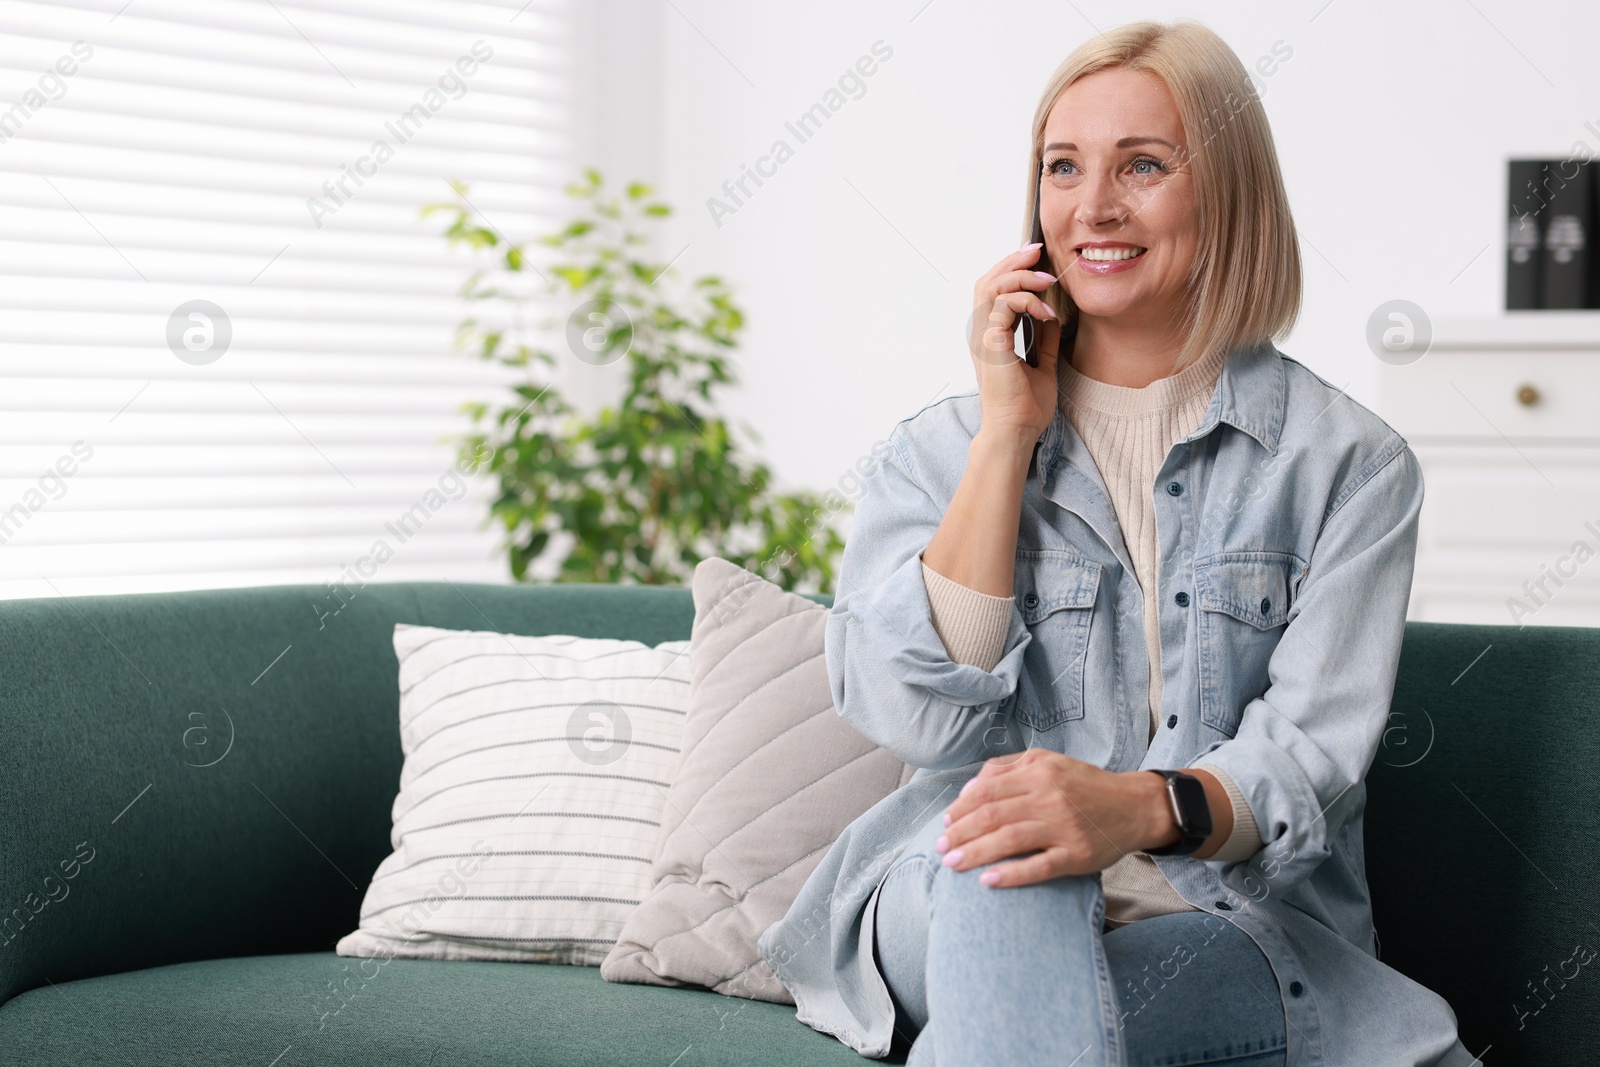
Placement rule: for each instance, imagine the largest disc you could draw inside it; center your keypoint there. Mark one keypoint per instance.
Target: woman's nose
(1102, 202)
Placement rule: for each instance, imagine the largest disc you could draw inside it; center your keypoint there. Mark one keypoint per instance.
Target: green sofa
(195, 789)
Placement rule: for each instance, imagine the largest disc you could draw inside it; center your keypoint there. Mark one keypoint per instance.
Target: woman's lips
(1125, 258)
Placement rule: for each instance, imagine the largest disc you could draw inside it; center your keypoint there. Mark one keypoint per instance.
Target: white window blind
(228, 151)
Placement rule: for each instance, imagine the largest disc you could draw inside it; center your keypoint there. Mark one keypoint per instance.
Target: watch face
(1194, 809)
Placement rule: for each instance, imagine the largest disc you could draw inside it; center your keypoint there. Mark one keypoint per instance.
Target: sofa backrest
(189, 776)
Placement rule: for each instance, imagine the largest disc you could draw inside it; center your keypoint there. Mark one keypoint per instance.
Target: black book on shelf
(1524, 235)
(1568, 267)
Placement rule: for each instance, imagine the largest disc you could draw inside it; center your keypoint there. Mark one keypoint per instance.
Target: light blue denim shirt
(1287, 528)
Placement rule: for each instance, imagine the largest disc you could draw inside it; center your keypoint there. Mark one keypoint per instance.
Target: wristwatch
(1191, 810)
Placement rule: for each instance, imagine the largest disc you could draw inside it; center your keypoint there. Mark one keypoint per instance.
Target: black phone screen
(1030, 332)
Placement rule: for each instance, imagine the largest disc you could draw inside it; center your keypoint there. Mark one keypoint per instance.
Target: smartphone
(1030, 330)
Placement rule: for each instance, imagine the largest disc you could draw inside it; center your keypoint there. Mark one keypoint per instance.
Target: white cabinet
(1504, 414)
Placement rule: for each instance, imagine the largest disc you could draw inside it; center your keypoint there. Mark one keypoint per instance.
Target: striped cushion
(534, 779)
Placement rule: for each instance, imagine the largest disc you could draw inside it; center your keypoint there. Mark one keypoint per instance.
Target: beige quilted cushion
(770, 776)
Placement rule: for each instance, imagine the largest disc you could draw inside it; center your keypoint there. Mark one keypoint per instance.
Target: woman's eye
(1156, 165)
(1054, 167)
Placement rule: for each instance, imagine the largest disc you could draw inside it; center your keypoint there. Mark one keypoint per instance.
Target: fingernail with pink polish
(947, 818)
(941, 844)
(952, 858)
(989, 877)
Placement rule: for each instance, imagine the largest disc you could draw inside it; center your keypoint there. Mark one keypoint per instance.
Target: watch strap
(1191, 811)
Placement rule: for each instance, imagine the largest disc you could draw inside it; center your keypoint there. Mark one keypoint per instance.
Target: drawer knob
(1527, 396)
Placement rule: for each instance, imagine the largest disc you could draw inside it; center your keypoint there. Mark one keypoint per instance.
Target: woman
(1165, 548)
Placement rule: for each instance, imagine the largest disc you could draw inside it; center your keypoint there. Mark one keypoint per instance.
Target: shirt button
(1173, 488)
(1295, 989)
(1031, 600)
(1182, 599)
(1223, 905)
(1266, 605)
(1172, 720)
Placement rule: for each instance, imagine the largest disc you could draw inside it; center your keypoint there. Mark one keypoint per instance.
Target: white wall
(855, 262)
(618, 63)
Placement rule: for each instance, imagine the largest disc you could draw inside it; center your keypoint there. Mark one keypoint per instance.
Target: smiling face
(1117, 201)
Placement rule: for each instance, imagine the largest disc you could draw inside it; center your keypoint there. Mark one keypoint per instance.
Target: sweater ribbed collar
(1164, 394)
(1252, 397)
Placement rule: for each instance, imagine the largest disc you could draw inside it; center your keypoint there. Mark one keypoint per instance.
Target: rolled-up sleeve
(1304, 744)
(891, 676)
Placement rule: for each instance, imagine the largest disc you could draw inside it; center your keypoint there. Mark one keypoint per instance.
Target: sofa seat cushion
(288, 1011)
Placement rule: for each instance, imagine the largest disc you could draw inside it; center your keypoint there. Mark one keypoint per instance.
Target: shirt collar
(1251, 395)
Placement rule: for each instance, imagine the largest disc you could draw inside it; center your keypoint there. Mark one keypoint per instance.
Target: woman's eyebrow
(1126, 142)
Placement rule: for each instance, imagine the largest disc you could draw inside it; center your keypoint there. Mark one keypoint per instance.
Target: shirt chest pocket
(1056, 593)
(1243, 600)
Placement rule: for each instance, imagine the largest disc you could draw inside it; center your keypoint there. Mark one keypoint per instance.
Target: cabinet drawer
(1508, 535)
(1479, 394)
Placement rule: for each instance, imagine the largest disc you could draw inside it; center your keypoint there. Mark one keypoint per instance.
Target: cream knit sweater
(1129, 433)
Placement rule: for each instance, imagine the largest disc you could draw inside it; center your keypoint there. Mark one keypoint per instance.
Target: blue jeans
(1026, 975)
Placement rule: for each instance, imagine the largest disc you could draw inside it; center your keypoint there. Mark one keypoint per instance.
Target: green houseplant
(646, 488)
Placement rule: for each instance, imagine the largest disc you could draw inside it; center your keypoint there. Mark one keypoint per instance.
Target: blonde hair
(1244, 286)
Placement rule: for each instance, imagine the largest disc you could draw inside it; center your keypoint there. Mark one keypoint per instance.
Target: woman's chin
(1104, 305)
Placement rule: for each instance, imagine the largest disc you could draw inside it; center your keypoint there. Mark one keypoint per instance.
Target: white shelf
(1518, 329)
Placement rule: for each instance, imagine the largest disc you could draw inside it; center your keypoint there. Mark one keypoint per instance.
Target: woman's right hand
(975, 544)
(1016, 399)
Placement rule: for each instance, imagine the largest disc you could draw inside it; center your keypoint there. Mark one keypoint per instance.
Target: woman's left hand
(1084, 818)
